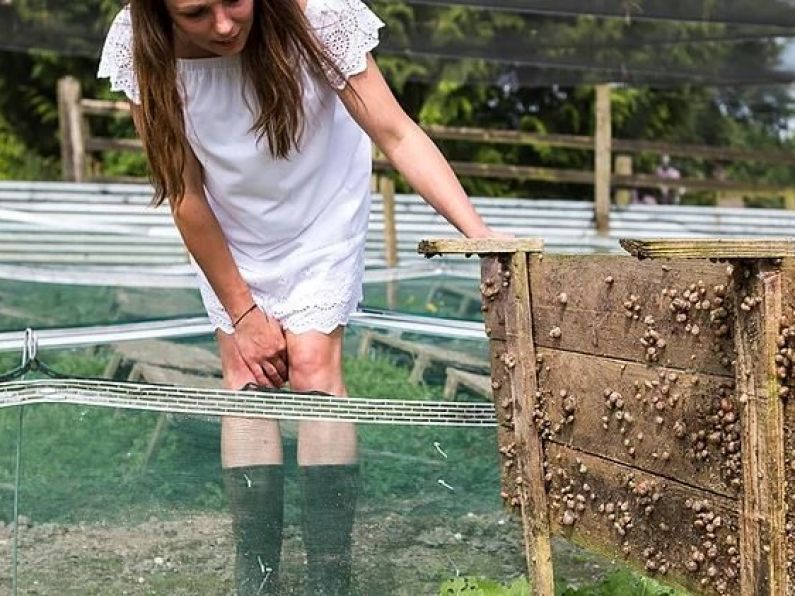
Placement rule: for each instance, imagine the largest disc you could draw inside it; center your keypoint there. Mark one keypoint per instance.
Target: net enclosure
(515, 42)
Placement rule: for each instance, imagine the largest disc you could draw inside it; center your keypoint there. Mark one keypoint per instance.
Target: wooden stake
(603, 158)
(763, 568)
(72, 130)
(387, 188)
(520, 350)
(623, 168)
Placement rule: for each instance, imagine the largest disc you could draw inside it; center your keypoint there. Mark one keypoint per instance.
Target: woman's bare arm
(410, 150)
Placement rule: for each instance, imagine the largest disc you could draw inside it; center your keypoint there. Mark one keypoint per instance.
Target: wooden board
(608, 306)
(164, 353)
(520, 362)
(762, 535)
(789, 453)
(678, 425)
(472, 246)
(493, 296)
(586, 491)
(709, 248)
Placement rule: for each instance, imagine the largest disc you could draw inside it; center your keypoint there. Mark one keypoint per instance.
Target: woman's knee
(315, 365)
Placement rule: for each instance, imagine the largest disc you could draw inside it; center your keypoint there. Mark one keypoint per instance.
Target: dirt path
(396, 552)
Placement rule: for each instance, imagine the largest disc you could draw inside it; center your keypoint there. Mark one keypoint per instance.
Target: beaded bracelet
(241, 317)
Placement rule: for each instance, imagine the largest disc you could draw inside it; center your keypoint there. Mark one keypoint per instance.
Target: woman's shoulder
(348, 30)
(122, 19)
(313, 8)
(116, 61)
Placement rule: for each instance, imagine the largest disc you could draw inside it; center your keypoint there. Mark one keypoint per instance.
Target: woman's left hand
(491, 233)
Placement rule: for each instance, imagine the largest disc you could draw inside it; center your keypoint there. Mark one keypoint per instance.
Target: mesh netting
(516, 42)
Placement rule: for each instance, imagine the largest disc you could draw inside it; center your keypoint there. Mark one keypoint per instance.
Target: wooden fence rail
(612, 173)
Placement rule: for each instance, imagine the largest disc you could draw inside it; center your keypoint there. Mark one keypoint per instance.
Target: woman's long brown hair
(280, 39)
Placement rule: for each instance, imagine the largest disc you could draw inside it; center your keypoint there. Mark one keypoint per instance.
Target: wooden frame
(640, 406)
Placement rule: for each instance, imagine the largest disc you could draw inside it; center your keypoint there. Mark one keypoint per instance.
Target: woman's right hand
(261, 343)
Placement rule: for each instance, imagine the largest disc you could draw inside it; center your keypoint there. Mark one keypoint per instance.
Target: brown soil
(395, 553)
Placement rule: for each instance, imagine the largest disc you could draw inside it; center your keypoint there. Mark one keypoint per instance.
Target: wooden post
(507, 301)
(520, 349)
(763, 566)
(789, 199)
(72, 130)
(387, 188)
(603, 152)
(623, 168)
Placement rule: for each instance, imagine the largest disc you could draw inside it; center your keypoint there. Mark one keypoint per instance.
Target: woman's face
(212, 27)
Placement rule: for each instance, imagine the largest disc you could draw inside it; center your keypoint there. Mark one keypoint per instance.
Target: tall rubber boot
(329, 507)
(256, 501)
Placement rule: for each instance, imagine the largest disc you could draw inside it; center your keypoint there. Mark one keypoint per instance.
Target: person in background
(257, 118)
(669, 195)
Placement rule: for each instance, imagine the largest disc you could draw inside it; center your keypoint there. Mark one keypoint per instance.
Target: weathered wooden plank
(513, 137)
(763, 519)
(104, 107)
(106, 144)
(473, 246)
(503, 406)
(159, 353)
(603, 158)
(492, 275)
(150, 373)
(455, 377)
(662, 527)
(675, 314)
(503, 171)
(789, 455)
(520, 361)
(673, 424)
(709, 248)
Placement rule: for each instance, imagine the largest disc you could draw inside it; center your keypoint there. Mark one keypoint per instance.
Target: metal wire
(278, 405)
(199, 326)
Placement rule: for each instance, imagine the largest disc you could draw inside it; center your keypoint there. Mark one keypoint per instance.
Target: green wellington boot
(256, 501)
(329, 506)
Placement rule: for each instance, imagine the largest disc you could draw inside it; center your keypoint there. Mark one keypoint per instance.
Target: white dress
(296, 227)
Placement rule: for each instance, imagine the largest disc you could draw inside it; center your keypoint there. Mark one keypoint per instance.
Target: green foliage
(623, 583)
(461, 92)
(617, 583)
(18, 162)
(88, 463)
(476, 586)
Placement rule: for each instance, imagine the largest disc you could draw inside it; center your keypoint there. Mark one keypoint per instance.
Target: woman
(255, 117)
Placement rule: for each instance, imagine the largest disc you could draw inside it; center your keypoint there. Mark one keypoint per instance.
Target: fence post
(623, 168)
(71, 127)
(603, 158)
(387, 188)
(763, 514)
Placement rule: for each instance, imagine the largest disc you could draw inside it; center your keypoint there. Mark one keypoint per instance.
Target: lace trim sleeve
(348, 30)
(116, 62)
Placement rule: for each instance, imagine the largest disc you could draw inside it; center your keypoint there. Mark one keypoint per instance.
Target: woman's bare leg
(245, 441)
(316, 365)
(251, 457)
(329, 473)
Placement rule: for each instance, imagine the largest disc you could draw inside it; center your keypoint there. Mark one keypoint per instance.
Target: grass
(617, 583)
(82, 463)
